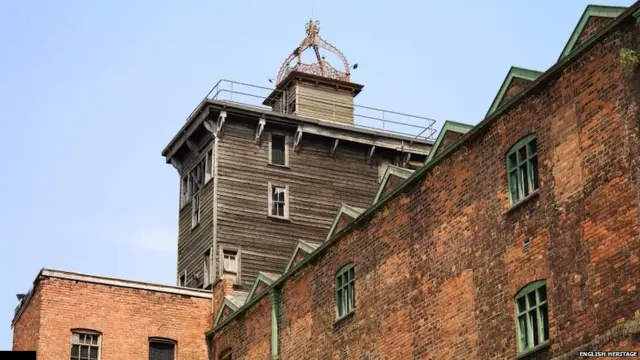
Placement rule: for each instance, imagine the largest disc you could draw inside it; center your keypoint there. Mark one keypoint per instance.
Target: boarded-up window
(278, 149)
(85, 345)
(161, 351)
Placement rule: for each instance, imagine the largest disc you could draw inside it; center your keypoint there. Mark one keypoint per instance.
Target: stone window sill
(535, 349)
(526, 199)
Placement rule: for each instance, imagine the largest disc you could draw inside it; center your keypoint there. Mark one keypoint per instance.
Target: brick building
(517, 238)
(77, 316)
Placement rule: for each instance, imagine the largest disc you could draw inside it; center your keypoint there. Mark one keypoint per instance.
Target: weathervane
(321, 67)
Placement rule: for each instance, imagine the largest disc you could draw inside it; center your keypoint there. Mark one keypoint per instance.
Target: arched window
(345, 290)
(532, 316)
(522, 169)
(226, 354)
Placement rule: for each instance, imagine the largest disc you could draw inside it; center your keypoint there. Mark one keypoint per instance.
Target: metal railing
(416, 127)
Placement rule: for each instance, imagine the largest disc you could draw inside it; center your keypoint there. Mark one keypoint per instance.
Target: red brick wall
(125, 317)
(449, 139)
(593, 25)
(438, 268)
(515, 87)
(392, 183)
(25, 331)
(251, 337)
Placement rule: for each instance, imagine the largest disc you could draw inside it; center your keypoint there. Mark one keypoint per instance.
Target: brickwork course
(439, 260)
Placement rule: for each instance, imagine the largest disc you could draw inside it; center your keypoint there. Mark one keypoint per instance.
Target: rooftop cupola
(316, 90)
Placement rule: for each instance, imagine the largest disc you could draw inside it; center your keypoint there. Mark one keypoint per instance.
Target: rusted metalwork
(321, 67)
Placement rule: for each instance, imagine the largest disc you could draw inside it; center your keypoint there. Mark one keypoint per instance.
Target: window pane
(533, 147)
(542, 293)
(75, 338)
(532, 299)
(533, 317)
(513, 176)
(339, 302)
(339, 281)
(512, 162)
(522, 306)
(75, 351)
(545, 321)
(533, 163)
(351, 274)
(84, 352)
(524, 179)
(93, 353)
(522, 154)
(522, 324)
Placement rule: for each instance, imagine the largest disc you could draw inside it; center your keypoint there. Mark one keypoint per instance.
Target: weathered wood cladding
(324, 102)
(318, 184)
(192, 243)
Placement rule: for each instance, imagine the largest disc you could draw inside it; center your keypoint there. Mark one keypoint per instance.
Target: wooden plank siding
(192, 243)
(324, 103)
(318, 184)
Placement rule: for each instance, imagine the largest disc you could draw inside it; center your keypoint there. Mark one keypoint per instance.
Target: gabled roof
(392, 171)
(263, 277)
(449, 126)
(591, 11)
(514, 72)
(226, 303)
(345, 209)
(305, 246)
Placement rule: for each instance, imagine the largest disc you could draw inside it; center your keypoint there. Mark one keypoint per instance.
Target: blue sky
(91, 92)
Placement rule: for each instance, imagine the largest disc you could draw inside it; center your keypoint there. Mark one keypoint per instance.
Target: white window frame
(286, 148)
(287, 200)
(238, 262)
(208, 268)
(86, 332)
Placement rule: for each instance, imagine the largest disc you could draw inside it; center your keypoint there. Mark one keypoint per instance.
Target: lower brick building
(77, 316)
(517, 239)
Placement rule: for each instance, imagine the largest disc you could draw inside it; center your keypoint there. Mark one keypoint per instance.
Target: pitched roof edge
(301, 245)
(589, 11)
(225, 302)
(392, 170)
(448, 126)
(514, 72)
(350, 211)
(262, 277)
(488, 120)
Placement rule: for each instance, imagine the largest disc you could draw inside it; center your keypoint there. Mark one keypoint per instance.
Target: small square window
(230, 264)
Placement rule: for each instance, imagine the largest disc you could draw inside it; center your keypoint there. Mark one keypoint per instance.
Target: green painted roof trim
(591, 10)
(225, 303)
(421, 172)
(448, 126)
(395, 171)
(350, 211)
(262, 277)
(514, 72)
(304, 246)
